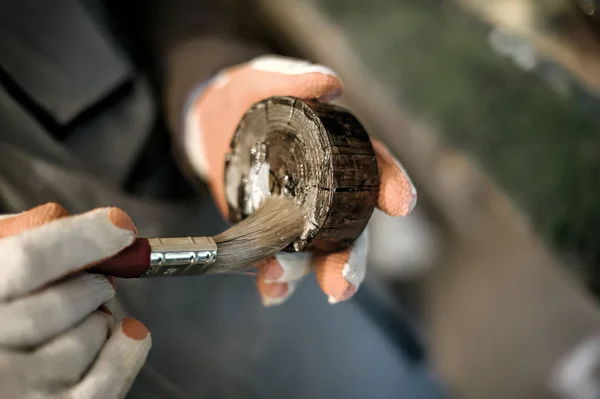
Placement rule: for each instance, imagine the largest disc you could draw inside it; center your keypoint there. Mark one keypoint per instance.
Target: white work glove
(211, 121)
(55, 334)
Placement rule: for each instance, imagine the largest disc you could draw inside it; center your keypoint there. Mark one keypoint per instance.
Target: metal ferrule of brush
(180, 256)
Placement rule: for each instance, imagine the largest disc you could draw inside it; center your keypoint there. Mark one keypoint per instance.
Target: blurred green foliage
(541, 146)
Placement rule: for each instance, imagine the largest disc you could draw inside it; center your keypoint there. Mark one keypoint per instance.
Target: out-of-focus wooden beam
(558, 29)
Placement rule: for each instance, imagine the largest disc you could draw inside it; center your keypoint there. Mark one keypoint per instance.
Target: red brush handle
(129, 263)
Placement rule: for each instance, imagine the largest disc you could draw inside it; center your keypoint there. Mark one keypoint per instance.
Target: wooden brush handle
(132, 262)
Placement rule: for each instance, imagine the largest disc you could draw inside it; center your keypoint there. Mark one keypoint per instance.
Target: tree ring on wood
(319, 154)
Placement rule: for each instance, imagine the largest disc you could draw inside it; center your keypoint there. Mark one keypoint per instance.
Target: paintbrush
(315, 168)
(271, 228)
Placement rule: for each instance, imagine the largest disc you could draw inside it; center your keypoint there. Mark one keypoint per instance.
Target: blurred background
(495, 115)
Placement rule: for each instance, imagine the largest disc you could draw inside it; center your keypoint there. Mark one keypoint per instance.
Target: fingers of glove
(31, 320)
(41, 255)
(64, 360)
(397, 194)
(278, 276)
(118, 364)
(299, 78)
(15, 224)
(340, 274)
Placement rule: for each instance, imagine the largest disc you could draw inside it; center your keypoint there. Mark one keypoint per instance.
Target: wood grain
(321, 155)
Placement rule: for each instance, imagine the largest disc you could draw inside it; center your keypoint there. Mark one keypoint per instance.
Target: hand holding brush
(271, 229)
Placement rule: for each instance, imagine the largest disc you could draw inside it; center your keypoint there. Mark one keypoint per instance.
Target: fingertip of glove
(120, 219)
(302, 78)
(333, 276)
(332, 94)
(273, 293)
(268, 301)
(397, 193)
(347, 294)
(134, 329)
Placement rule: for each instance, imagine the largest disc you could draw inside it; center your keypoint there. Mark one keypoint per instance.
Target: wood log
(317, 153)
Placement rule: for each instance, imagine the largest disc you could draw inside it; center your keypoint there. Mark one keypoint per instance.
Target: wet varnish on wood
(317, 153)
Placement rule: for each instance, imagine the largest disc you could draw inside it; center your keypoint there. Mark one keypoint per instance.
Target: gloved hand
(210, 126)
(55, 334)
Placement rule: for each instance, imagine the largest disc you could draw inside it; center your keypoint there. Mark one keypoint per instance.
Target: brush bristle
(271, 228)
